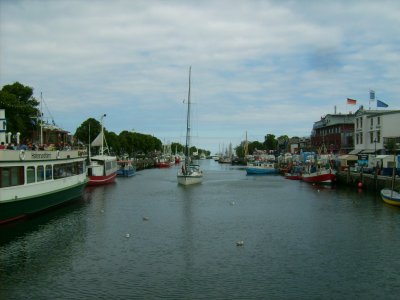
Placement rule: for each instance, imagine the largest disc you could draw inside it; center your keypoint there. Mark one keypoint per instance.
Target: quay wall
(369, 181)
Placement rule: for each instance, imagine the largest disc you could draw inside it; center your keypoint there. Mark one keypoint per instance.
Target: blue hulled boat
(261, 168)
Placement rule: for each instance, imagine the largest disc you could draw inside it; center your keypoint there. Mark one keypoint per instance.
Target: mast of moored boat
(393, 174)
(187, 154)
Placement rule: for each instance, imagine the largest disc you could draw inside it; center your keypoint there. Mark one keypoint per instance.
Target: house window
(361, 138)
(378, 136)
(371, 137)
(372, 121)
(379, 121)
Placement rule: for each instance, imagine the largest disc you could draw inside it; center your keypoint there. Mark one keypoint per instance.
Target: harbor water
(146, 237)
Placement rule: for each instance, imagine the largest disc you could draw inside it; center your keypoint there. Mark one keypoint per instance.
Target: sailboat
(189, 173)
(103, 167)
(391, 196)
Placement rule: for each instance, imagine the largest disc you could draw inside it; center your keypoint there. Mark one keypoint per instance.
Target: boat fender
(58, 154)
(22, 154)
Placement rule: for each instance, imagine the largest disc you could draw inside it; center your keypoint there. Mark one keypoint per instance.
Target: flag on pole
(371, 95)
(351, 101)
(380, 103)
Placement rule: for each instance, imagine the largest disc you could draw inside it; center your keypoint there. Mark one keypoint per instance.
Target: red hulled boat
(326, 176)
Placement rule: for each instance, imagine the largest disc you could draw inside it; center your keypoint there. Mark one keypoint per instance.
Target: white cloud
(261, 66)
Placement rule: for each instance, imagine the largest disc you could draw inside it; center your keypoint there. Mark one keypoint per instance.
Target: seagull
(145, 218)
(239, 243)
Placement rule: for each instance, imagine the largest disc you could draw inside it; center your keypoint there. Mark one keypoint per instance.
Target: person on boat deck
(183, 169)
(2, 146)
(22, 147)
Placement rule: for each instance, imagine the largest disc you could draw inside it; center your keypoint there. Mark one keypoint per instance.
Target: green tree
(270, 142)
(113, 142)
(283, 142)
(21, 109)
(91, 126)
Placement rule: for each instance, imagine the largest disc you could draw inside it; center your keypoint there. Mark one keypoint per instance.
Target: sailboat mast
(188, 123)
(102, 134)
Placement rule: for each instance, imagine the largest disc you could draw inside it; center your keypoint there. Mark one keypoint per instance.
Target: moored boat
(326, 176)
(390, 196)
(33, 181)
(261, 168)
(125, 168)
(165, 161)
(295, 173)
(293, 176)
(103, 167)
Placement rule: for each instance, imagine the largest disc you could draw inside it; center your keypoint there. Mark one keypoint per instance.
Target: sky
(258, 67)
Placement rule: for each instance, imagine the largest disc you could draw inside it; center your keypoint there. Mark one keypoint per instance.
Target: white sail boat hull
(190, 179)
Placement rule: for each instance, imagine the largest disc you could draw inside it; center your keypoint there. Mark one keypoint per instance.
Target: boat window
(49, 172)
(40, 173)
(59, 171)
(78, 168)
(69, 169)
(30, 174)
(11, 176)
(108, 165)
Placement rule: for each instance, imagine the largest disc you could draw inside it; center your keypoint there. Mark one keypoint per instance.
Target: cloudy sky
(265, 67)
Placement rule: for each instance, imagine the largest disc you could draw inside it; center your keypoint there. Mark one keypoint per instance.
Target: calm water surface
(148, 238)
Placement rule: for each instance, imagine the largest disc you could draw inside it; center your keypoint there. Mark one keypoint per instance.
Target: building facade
(333, 134)
(373, 129)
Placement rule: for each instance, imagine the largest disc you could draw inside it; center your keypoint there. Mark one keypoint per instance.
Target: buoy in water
(127, 235)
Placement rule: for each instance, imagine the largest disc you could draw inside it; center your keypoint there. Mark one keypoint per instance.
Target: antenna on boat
(102, 133)
(90, 155)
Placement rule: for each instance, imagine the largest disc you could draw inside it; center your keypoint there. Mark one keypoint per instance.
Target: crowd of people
(28, 145)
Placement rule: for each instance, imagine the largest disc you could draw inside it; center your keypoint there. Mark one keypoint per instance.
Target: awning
(355, 151)
(348, 157)
(382, 156)
(368, 151)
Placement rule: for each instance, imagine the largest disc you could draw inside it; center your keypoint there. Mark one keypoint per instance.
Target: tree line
(271, 143)
(23, 115)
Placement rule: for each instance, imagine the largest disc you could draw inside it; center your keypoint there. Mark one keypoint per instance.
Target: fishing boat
(165, 161)
(103, 167)
(261, 168)
(125, 168)
(189, 173)
(325, 176)
(294, 173)
(33, 181)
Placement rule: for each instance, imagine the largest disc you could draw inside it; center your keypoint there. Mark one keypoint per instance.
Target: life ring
(22, 154)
